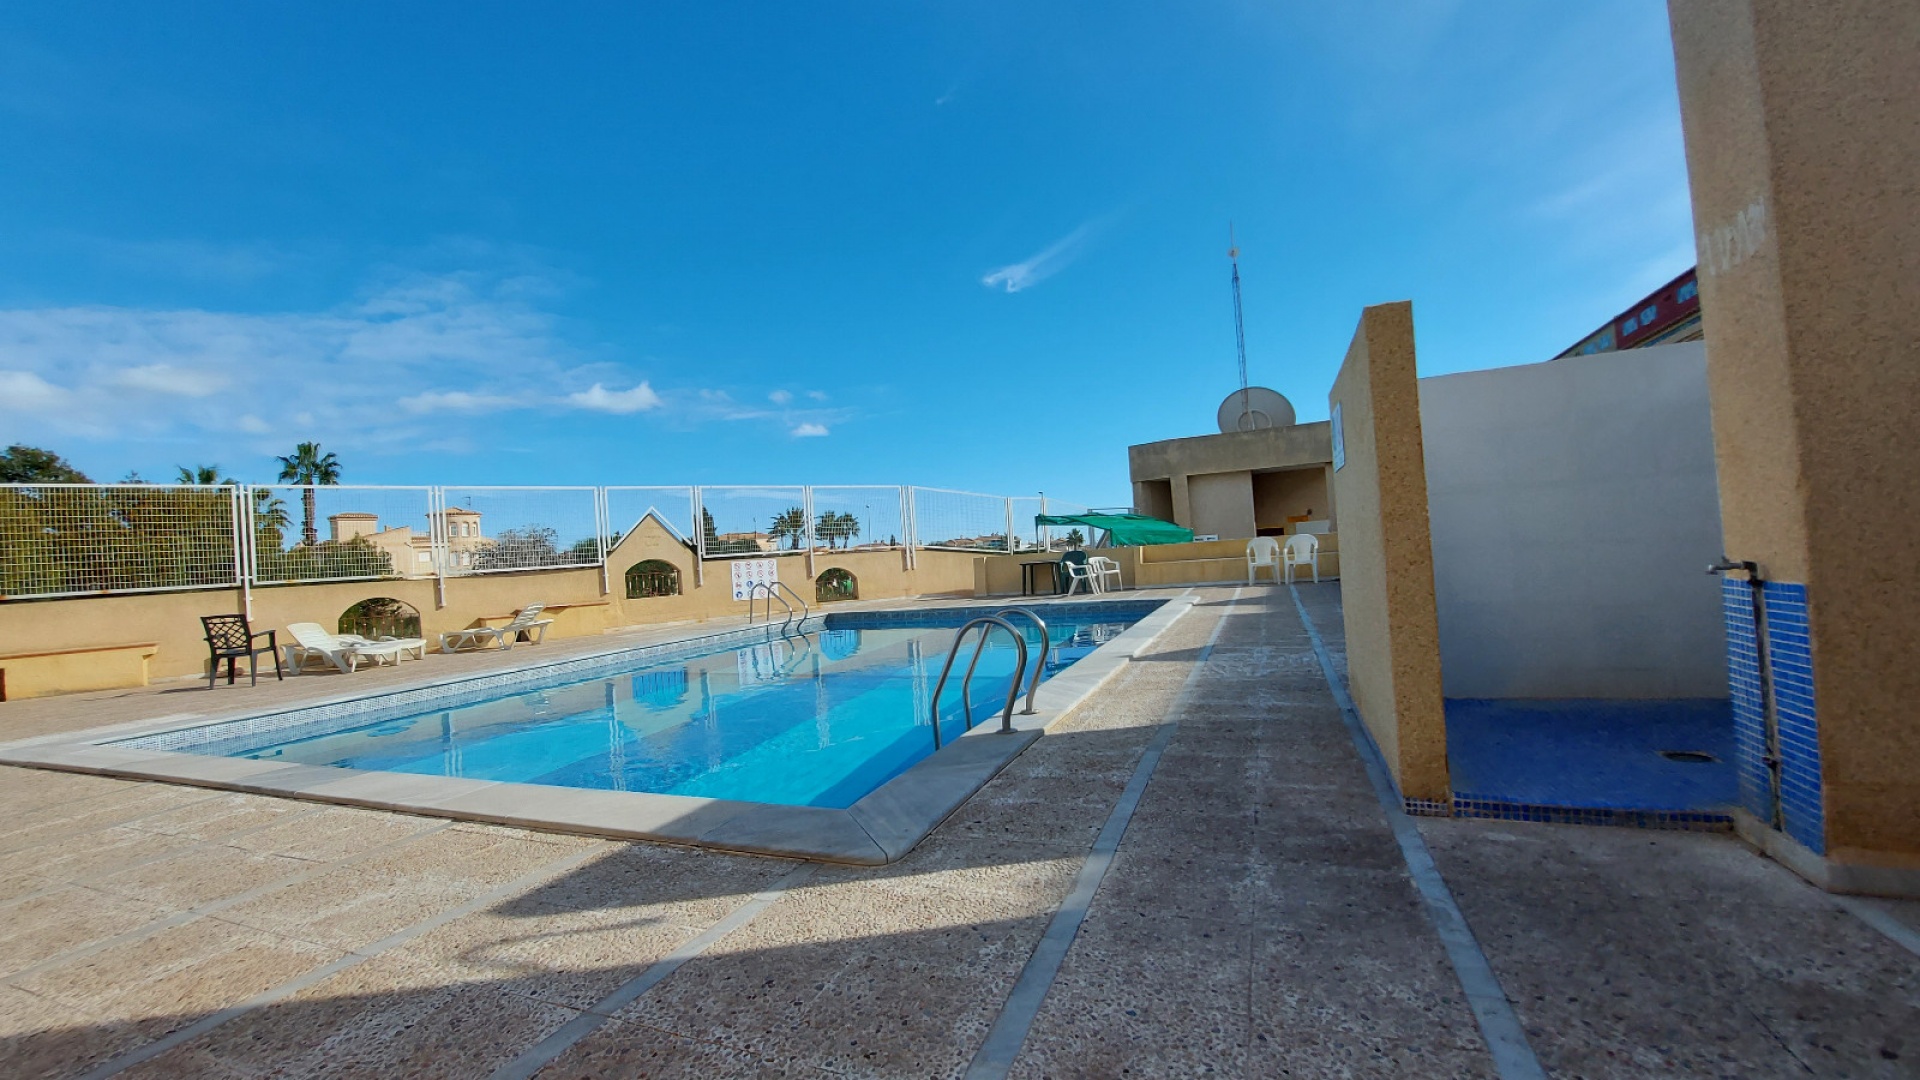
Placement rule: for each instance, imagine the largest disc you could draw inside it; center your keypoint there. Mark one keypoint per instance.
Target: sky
(978, 246)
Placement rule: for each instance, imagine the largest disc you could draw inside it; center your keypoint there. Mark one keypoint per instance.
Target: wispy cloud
(376, 374)
(600, 399)
(460, 401)
(169, 381)
(367, 372)
(952, 91)
(1042, 264)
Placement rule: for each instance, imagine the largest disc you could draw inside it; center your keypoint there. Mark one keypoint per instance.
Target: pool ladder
(986, 625)
(773, 592)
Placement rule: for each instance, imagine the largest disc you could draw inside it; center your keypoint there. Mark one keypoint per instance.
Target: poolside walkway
(1257, 919)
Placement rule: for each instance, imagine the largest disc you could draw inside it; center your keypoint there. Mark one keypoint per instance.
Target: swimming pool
(818, 719)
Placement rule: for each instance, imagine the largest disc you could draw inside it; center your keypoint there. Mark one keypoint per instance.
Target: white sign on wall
(1339, 440)
(750, 572)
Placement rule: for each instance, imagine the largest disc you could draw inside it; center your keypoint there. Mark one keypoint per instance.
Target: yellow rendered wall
(171, 621)
(1802, 125)
(1386, 584)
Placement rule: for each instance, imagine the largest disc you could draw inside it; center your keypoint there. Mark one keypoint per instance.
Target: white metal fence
(93, 539)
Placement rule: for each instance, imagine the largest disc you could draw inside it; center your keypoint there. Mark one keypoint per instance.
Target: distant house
(412, 552)
(744, 541)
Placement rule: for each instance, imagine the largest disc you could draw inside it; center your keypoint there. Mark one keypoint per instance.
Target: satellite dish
(1254, 408)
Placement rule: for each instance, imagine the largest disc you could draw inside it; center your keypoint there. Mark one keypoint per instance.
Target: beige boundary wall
(92, 643)
(1197, 563)
(1393, 649)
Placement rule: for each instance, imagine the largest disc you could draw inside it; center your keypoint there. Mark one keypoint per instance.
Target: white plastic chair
(1263, 551)
(504, 636)
(314, 643)
(1302, 548)
(1103, 568)
(1080, 573)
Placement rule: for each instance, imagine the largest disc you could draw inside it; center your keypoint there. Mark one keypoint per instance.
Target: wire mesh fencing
(626, 507)
(858, 518)
(960, 520)
(338, 533)
(80, 539)
(745, 521)
(89, 539)
(490, 529)
(1052, 537)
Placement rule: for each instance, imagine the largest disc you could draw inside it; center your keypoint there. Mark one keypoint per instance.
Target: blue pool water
(814, 720)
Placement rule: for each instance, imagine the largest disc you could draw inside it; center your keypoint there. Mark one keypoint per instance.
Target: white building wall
(1574, 512)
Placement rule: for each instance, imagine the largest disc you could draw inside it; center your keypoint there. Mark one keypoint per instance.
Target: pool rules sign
(750, 572)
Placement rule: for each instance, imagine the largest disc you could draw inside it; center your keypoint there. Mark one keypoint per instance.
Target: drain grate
(1689, 757)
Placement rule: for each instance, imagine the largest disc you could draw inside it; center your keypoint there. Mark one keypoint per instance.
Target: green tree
(520, 549)
(32, 465)
(309, 467)
(1075, 538)
(789, 524)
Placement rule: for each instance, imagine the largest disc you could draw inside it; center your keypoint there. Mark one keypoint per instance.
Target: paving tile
(41, 1038)
(199, 875)
(567, 958)
(220, 816)
(635, 1050)
(1145, 996)
(385, 1017)
(183, 971)
(44, 927)
(1632, 952)
(355, 905)
(53, 825)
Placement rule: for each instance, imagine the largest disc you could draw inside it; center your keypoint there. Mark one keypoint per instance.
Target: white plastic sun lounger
(313, 644)
(528, 620)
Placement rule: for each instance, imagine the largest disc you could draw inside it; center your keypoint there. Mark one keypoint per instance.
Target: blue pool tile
(1592, 761)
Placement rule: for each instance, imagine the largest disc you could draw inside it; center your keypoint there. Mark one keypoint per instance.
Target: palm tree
(790, 523)
(269, 517)
(205, 476)
(832, 525)
(309, 467)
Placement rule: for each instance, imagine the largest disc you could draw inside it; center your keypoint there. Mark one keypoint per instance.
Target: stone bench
(67, 671)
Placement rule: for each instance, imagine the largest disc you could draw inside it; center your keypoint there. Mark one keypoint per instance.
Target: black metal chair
(229, 638)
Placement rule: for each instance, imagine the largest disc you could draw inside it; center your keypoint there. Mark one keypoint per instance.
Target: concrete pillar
(1802, 124)
(1182, 501)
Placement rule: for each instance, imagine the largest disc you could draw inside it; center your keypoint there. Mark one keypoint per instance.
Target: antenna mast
(1239, 327)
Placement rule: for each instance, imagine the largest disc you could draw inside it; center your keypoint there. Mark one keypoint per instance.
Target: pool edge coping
(879, 828)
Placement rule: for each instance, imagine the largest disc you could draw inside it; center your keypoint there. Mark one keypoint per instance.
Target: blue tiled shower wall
(1790, 650)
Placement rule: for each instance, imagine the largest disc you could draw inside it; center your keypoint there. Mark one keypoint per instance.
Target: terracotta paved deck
(1258, 920)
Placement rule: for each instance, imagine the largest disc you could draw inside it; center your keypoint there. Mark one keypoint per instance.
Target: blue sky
(978, 246)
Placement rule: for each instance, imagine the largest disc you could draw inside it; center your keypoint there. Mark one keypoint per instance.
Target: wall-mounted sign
(1339, 440)
(750, 572)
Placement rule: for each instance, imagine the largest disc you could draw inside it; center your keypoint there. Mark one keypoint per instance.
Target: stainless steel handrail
(755, 590)
(986, 623)
(805, 611)
(773, 590)
(1046, 647)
